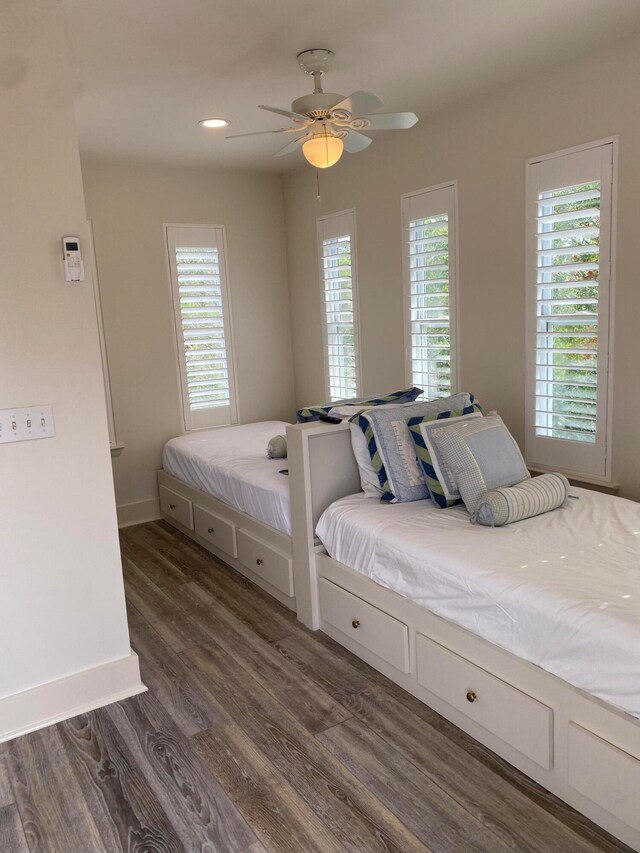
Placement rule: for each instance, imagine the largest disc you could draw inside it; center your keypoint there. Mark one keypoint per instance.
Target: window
(199, 283)
(569, 225)
(430, 274)
(336, 242)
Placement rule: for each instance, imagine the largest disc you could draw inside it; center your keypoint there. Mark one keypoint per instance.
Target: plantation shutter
(201, 307)
(428, 227)
(336, 245)
(568, 294)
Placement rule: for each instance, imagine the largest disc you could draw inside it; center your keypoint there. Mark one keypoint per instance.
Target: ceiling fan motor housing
(316, 105)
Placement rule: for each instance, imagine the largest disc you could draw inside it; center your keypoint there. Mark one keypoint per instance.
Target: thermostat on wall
(73, 264)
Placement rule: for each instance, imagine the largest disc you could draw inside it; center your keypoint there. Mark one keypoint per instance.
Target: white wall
(61, 586)
(484, 144)
(128, 204)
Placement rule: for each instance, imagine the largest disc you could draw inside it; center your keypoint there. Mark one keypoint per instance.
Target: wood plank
(161, 570)
(273, 808)
(124, 807)
(168, 542)
(54, 814)
(249, 609)
(12, 838)
(160, 609)
(203, 566)
(179, 632)
(504, 810)
(240, 596)
(350, 812)
(431, 814)
(310, 705)
(6, 791)
(150, 599)
(171, 681)
(200, 811)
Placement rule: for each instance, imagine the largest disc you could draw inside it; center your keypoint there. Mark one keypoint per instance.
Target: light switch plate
(26, 424)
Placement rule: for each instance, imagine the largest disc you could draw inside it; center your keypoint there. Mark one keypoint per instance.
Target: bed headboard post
(322, 468)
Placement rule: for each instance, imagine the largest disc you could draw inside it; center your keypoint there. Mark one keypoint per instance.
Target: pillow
(277, 447)
(349, 411)
(312, 413)
(441, 482)
(481, 454)
(524, 500)
(391, 449)
(369, 482)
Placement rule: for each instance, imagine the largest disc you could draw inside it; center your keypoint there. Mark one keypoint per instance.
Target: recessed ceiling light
(213, 122)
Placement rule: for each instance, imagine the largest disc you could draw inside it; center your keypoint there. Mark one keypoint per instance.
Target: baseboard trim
(67, 697)
(138, 512)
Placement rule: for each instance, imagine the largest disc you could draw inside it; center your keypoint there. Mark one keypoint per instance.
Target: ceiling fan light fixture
(213, 122)
(323, 150)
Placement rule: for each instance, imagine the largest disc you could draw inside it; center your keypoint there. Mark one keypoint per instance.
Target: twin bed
(527, 636)
(218, 487)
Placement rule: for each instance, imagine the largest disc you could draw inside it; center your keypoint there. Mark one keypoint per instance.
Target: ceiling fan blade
(354, 142)
(287, 113)
(260, 132)
(390, 121)
(359, 103)
(290, 147)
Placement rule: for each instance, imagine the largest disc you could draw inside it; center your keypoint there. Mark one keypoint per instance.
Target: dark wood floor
(256, 735)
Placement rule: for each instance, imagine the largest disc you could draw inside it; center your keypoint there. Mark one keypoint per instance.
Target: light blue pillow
(481, 454)
(391, 448)
(313, 413)
(442, 485)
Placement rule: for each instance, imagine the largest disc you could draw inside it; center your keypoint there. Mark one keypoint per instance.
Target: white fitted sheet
(561, 590)
(230, 463)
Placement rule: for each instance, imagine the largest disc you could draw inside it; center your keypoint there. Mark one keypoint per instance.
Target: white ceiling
(148, 70)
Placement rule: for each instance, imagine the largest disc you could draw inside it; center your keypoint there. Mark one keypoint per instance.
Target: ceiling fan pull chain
(318, 184)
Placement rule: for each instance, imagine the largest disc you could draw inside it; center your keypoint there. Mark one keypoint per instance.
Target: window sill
(579, 479)
(116, 449)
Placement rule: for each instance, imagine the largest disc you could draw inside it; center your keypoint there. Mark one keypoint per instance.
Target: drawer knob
(471, 696)
(172, 506)
(355, 623)
(210, 530)
(259, 561)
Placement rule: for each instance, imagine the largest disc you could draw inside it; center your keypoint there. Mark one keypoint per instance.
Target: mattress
(230, 463)
(561, 590)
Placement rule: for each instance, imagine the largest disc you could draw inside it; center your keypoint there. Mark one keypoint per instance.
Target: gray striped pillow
(524, 500)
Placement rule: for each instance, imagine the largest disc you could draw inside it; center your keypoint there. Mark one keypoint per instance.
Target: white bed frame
(583, 750)
(254, 549)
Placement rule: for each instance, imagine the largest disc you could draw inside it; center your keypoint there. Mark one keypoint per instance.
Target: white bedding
(561, 590)
(230, 463)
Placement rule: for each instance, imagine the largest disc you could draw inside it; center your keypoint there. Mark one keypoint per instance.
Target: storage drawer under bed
(215, 530)
(175, 506)
(266, 561)
(513, 716)
(604, 774)
(374, 629)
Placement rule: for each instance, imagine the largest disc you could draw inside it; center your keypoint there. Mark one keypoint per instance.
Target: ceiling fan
(328, 124)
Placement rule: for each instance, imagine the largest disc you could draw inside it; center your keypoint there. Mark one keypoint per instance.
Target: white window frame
(588, 462)
(113, 442)
(432, 201)
(330, 227)
(206, 236)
